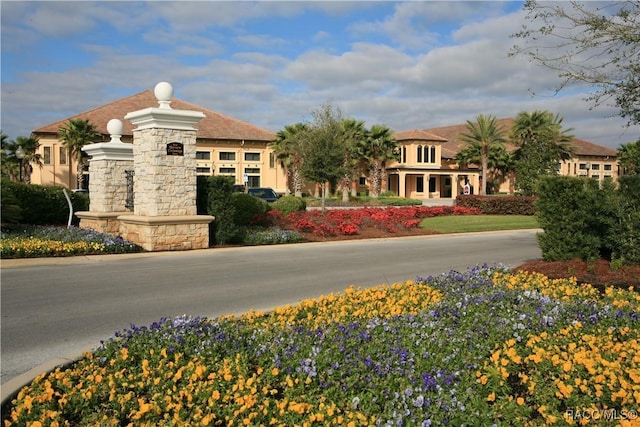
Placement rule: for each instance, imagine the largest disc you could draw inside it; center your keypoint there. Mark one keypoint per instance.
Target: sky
(406, 65)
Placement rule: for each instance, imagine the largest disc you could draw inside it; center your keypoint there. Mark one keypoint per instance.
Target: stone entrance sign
(164, 188)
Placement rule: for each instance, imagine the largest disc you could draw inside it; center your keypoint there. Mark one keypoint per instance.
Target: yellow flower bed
(354, 303)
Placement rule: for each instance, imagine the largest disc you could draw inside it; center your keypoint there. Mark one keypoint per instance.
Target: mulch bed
(597, 273)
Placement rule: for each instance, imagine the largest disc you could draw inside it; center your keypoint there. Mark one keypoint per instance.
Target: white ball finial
(163, 92)
(115, 129)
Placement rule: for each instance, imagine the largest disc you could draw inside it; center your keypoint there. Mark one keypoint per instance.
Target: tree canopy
(323, 147)
(542, 144)
(595, 43)
(75, 134)
(482, 137)
(629, 157)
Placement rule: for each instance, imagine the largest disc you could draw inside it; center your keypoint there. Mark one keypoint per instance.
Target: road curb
(11, 388)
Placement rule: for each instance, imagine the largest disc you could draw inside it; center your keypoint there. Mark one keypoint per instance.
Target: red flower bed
(350, 222)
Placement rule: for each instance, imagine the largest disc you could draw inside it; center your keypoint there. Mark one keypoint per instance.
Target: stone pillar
(108, 184)
(164, 162)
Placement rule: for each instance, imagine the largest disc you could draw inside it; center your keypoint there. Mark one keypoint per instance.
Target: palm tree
(288, 149)
(354, 134)
(542, 144)
(75, 134)
(378, 147)
(629, 157)
(499, 161)
(483, 136)
(29, 148)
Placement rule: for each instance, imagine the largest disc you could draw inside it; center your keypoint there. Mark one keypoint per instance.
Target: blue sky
(407, 65)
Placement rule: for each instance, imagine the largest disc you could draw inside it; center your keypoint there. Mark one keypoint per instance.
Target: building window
(203, 155)
(227, 171)
(252, 171)
(433, 155)
(252, 157)
(419, 153)
(404, 154)
(362, 180)
(582, 166)
(63, 155)
(46, 158)
(432, 184)
(426, 154)
(595, 166)
(227, 155)
(206, 171)
(607, 167)
(272, 160)
(420, 184)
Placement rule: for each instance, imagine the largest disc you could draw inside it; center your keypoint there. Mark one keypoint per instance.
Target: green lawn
(467, 223)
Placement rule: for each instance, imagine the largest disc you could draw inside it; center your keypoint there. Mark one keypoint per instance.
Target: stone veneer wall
(110, 176)
(101, 222)
(155, 170)
(152, 235)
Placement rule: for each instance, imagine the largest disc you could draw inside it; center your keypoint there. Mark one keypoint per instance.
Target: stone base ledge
(102, 222)
(166, 219)
(166, 233)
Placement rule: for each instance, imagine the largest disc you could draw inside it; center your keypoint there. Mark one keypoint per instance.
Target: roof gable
(417, 135)
(213, 126)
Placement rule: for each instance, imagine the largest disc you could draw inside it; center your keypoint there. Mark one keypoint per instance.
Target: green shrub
(223, 229)
(499, 205)
(45, 205)
(576, 216)
(247, 208)
(288, 204)
(11, 211)
(625, 231)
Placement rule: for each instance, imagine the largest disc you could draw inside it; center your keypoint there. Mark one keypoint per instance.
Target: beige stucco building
(227, 146)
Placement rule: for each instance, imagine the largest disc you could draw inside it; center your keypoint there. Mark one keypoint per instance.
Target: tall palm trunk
(296, 179)
(484, 160)
(79, 173)
(375, 178)
(346, 183)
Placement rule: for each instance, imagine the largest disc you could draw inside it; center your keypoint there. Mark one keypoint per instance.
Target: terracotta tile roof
(586, 148)
(213, 126)
(453, 145)
(417, 135)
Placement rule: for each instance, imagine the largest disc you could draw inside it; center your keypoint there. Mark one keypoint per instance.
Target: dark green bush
(247, 208)
(576, 216)
(625, 231)
(222, 230)
(288, 204)
(45, 205)
(499, 205)
(11, 211)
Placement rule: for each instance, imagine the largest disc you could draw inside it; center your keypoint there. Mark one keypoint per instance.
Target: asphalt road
(57, 308)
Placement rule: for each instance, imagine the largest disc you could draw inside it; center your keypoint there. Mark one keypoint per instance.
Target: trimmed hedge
(499, 205)
(576, 216)
(288, 204)
(625, 232)
(247, 209)
(39, 205)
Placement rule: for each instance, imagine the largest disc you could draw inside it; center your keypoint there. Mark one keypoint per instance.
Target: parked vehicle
(265, 193)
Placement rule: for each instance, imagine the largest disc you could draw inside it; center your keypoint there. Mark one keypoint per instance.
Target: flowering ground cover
(481, 347)
(351, 222)
(30, 241)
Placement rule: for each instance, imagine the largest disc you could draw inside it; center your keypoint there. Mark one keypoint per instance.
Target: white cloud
(425, 64)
